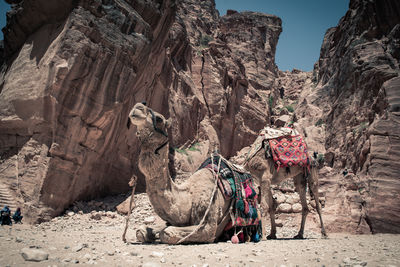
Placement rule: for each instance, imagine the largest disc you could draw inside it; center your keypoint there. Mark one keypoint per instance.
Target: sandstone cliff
(73, 70)
(66, 89)
(355, 104)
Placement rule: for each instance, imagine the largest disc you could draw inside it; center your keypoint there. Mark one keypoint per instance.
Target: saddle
(285, 145)
(236, 184)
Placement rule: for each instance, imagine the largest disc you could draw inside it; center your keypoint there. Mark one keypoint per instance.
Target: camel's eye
(159, 119)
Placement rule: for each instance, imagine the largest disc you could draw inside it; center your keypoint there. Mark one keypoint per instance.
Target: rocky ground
(87, 234)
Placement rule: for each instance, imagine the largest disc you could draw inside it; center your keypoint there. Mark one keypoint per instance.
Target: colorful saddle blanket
(288, 151)
(238, 186)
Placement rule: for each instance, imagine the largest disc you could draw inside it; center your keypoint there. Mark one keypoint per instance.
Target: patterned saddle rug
(284, 145)
(288, 151)
(239, 187)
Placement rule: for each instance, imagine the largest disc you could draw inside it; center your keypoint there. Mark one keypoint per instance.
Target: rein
(163, 145)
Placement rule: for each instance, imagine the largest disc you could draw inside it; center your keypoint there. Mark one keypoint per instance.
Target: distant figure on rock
(17, 217)
(282, 92)
(5, 216)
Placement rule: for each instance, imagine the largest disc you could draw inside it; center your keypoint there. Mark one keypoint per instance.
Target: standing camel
(264, 169)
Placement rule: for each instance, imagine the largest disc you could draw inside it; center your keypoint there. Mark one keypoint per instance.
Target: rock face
(73, 70)
(65, 95)
(358, 94)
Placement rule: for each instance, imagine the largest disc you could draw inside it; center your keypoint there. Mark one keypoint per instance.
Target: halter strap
(153, 118)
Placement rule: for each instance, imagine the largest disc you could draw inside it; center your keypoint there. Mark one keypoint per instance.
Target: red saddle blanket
(289, 151)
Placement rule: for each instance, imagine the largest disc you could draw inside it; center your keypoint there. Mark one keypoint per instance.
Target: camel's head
(151, 126)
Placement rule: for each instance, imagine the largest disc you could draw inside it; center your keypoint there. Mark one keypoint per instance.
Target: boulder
(284, 208)
(123, 208)
(34, 254)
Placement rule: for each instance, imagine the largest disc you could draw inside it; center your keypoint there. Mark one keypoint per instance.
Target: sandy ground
(94, 238)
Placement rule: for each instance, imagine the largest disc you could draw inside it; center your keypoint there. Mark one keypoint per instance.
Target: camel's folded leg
(172, 234)
(147, 234)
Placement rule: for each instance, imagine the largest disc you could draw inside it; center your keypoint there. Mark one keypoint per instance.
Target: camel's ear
(168, 123)
(128, 123)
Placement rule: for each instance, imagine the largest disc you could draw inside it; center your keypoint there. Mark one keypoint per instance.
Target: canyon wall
(355, 104)
(72, 71)
(66, 88)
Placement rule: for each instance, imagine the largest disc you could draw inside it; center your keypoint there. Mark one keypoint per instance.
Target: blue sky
(4, 7)
(304, 25)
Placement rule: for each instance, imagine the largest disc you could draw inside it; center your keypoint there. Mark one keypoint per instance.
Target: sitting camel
(181, 206)
(264, 169)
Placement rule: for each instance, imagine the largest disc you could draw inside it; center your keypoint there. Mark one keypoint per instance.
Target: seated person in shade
(5, 216)
(17, 217)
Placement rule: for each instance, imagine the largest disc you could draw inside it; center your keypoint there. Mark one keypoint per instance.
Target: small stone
(67, 260)
(151, 264)
(95, 216)
(79, 247)
(346, 260)
(18, 240)
(87, 256)
(162, 260)
(285, 208)
(157, 254)
(278, 223)
(71, 213)
(110, 214)
(110, 253)
(297, 207)
(32, 254)
(149, 220)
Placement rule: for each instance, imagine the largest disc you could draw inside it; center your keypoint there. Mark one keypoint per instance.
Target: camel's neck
(162, 191)
(155, 168)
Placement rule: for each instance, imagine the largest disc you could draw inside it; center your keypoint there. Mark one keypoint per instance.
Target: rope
(209, 204)
(132, 183)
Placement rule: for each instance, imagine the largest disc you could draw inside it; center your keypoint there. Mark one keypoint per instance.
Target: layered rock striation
(358, 93)
(66, 89)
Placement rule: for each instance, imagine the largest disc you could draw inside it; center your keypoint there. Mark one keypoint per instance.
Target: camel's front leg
(205, 234)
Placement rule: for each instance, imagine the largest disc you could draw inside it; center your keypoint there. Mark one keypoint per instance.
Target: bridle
(153, 118)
